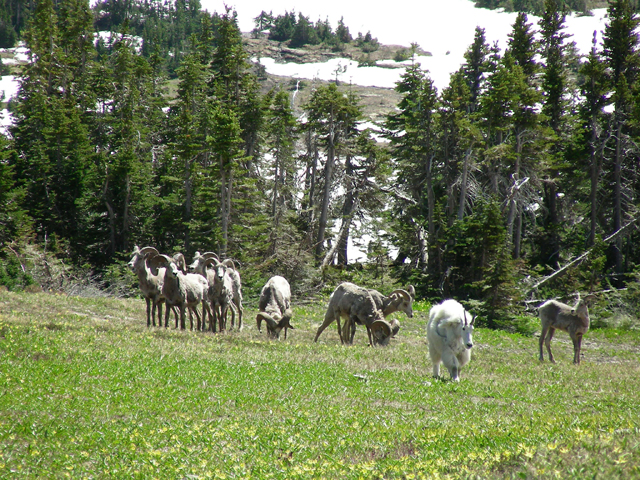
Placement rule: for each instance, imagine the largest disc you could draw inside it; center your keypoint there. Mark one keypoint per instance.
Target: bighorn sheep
(220, 293)
(275, 307)
(150, 283)
(236, 292)
(397, 301)
(182, 290)
(450, 335)
(356, 305)
(573, 320)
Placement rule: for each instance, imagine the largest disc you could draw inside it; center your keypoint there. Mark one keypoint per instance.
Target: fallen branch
(582, 257)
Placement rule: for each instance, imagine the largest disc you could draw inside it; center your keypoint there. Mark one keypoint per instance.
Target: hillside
(376, 101)
(89, 392)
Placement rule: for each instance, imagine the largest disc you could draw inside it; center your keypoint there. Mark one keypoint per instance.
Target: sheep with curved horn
(236, 293)
(150, 282)
(399, 300)
(220, 292)
(355, 305)
(198, 266)
(182, 290)
(275, 307)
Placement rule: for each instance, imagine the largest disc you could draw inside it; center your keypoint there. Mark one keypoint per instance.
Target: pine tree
(621, 54)
(413, 144)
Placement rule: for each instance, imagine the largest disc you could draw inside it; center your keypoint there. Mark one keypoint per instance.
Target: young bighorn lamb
(397, 301)
(354, 304)
(182, 290)
(275, 307)
(573, 320)
(450, 335)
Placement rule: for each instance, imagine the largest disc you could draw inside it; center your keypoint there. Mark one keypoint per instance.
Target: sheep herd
(216, 285)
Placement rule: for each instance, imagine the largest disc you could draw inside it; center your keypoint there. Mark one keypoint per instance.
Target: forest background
(164, 134)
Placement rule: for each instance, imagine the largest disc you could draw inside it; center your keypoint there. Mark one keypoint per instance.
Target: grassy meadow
(88, 391)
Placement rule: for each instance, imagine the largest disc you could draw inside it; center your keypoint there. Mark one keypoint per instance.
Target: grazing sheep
(150, 283)
(182, 290)
(275, 307)
(398, 301)
(355, 305)
(573, 320)
(236, 292)
(450, 335)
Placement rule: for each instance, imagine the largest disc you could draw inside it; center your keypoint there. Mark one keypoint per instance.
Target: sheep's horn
(147, 251)
(473, 319)
(206, 255)
(395, 327)
(210, 260)
(180, 261)
(404, 293)
(267, 318)
(229, 263)
(381, 331)
(159, 259)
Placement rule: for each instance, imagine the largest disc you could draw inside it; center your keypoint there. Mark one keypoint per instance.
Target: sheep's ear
(412, 291)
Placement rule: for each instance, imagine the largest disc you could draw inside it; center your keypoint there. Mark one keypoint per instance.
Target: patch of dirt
(376, 102)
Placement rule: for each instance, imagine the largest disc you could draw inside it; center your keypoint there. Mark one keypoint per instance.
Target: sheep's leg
(547, 342)
(340, 329)
(577, 342)
(543, 334)
(148, 311)
(240, 312)
(328, 319)
(370, 336)
(198, 319)
(160, 313)
(353, 331)
(166, 316)
(183, 323)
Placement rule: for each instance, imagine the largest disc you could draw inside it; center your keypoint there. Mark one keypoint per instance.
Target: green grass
(87, 391)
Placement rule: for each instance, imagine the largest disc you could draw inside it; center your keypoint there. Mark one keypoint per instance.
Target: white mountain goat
(573, 320)
(450, 335)
(275, 307)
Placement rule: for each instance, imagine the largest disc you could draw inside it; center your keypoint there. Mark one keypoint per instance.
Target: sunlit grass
(87, 391)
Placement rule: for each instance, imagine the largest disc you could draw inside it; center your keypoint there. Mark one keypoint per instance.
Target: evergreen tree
(413, 144)
(621, 54)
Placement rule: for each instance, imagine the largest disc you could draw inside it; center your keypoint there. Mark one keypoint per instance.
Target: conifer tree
(413, 143)
(621, 54)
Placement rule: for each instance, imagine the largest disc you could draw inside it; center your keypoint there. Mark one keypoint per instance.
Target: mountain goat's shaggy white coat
(450, 335)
